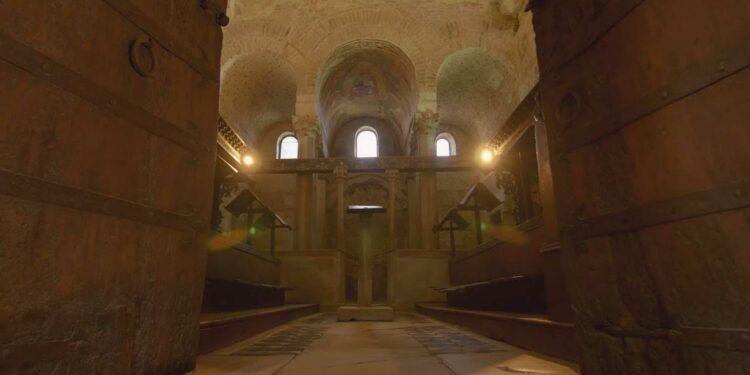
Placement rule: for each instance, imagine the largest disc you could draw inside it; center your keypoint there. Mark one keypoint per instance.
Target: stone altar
(364, 310)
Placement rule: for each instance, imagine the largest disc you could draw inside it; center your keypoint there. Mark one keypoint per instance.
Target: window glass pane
(288, 148)
(367, 144)
(443, 147)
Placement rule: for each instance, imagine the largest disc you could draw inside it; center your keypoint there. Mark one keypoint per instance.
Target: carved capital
(340, 172)
(305, 126)
(391, 174)
(426, 122)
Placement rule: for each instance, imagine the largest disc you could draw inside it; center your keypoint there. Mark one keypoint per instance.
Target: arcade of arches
(375, 186)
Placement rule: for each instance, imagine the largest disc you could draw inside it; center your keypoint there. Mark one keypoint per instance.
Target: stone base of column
(365, 313)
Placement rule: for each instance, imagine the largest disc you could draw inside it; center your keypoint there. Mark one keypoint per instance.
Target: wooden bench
(228, 295)
(220, 329)
(513, 293)
(533, 332)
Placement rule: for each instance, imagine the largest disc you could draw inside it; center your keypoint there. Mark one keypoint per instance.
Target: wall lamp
(487, 155)
(248, 160)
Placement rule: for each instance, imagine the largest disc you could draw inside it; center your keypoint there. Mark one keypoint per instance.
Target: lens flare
(487, 155)
(248, 160)
(509, 235)
(223, 241)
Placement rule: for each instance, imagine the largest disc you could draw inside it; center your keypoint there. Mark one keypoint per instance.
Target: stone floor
(411, 344)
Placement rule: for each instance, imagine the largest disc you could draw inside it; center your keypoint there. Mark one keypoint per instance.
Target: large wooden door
(648, 108)
(108, 113)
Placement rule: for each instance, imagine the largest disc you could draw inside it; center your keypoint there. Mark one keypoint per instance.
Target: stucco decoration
(367, 79)
(257, 91)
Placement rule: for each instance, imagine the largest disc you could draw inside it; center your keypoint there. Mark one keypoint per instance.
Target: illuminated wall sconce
(486, 155)
(247, 160)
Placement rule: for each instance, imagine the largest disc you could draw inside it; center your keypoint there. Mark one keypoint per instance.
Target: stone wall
(413, 273)
(315, 275)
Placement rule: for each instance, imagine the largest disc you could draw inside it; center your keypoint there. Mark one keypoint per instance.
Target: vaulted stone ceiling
(366, 79)
(257, 90)
(475, 91)
(483, 49)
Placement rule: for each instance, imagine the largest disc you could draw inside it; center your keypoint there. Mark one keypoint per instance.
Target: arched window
(287, 147)
(366, 143)
(445, 145)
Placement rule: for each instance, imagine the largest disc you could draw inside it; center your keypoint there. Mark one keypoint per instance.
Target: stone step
(532, 332)
(221, 329)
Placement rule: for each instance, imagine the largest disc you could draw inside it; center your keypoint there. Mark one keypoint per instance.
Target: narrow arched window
(445, 145)
(287, 147)
(366, 143)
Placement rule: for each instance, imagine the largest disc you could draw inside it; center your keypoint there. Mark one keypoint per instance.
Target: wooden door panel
(106, 183)
(577, 24)
(95, 49)
(693, 145)
(643, 63)
(648, 126)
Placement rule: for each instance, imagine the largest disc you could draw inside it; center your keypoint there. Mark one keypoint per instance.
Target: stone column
(365, 310)
(340, 174)
(392, 176)
(392, 255)
(306, 131)
(412, 192)
(364, 284)
(425, 132)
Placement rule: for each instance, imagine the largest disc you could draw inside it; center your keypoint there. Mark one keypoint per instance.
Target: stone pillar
(412, 192)
(392, 176)
(391, 254)
(425, 132)
(364, 283)
(340, 174)
(306, 131)
(365, 310)
(319, 228)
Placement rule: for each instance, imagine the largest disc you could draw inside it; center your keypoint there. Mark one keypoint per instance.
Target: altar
(364, 310)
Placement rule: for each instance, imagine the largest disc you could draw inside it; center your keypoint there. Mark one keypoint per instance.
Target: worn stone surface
(365, 313)
(411, 344)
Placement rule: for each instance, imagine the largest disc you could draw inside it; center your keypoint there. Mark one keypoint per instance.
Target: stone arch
(307, 48)
(385, 24)
(366, 79)
(306, 39)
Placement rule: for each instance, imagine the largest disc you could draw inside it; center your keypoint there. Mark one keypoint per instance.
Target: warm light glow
(247, 160)
(487, 155)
